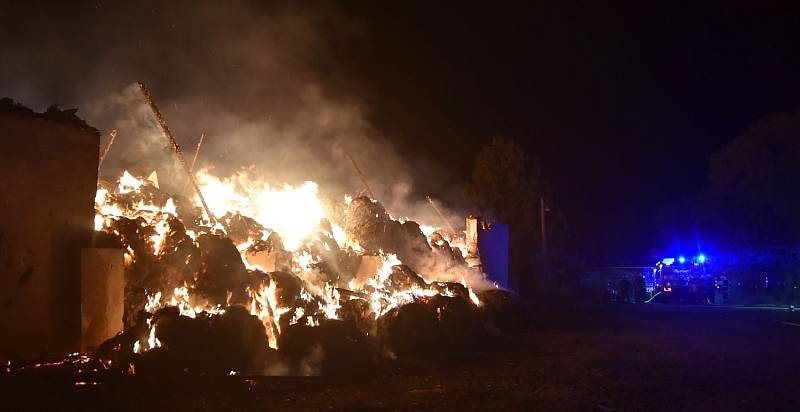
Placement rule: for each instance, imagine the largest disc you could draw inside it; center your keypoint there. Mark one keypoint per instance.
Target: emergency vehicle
(688, 280)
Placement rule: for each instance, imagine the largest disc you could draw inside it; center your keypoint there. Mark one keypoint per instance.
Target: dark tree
(753, 185)
(504, 184)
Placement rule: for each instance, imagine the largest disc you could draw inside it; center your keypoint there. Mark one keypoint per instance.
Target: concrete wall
(102, 295)
(48, 177)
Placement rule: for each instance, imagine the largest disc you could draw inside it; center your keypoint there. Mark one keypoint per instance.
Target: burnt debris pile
(355, 292)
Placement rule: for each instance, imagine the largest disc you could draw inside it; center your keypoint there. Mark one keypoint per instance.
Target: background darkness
(622, 104)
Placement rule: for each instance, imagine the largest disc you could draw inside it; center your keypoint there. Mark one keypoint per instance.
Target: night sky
(621, 103)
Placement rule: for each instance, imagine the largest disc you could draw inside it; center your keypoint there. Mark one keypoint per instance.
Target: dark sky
(622, 103)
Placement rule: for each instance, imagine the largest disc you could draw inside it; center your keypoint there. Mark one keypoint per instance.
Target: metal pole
(177, 149)
(543, 226)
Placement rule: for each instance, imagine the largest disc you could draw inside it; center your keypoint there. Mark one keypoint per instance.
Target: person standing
(624, 290)
(639, 289)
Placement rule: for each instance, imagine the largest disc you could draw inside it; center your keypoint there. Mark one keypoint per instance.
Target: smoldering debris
(205, 344)
(208, 344)
(361, 292)
(333, 348)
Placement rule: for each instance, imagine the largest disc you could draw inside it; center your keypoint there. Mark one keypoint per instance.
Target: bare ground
(586, 358)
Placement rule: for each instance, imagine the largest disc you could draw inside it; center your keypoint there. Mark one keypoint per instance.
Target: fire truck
(688, 280)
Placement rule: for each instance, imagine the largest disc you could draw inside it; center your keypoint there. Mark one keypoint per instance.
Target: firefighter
(624, 290)
(639, 289)
(611, 295)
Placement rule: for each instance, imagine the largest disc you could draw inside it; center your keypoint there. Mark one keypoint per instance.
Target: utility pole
(547, 280)
(543, 226)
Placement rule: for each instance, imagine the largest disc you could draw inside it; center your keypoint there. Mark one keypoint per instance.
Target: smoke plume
(261, 81)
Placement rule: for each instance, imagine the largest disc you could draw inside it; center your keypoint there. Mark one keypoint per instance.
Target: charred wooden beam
(197, 151)
(177, 149)
(439, 212)
(361, 175)
(111, 137)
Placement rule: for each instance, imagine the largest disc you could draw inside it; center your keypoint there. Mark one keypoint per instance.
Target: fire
(332, 303)
(150, 343)
(128, 183)
(389, 261)
(472, 296)
(153, 302)
(295, 214)
(161, 233)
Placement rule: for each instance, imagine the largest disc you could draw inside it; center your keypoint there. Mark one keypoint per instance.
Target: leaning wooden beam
(360, 174)
(177, 149)
(439, 212)
(106, 148)
(197, 151)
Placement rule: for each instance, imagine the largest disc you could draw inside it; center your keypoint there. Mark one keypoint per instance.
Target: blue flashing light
(701, 258)
(668, 261)
(681, 259)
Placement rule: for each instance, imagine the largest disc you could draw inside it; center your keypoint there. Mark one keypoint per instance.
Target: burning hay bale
(435, 327)
(333, 348)
(441, 245)
(189, 214)
(337, 296)
(375, 231)
(403, 278)
(359, 312)
(502, 310)
(366, 223)
(451, 289)
(241, 229)
(168, 342)
(216, 344)
(169, 263)
(409, 330)
(223, 278)
(411, 242)
(287, 288)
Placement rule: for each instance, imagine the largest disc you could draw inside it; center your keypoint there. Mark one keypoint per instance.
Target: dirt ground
(585, 358)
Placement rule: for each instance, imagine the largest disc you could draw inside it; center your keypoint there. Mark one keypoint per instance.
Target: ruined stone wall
(48, 175)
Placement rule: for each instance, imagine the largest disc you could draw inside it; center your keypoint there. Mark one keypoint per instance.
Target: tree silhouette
(753, 184)
(504, 184)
